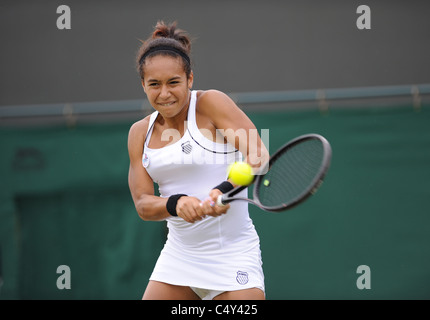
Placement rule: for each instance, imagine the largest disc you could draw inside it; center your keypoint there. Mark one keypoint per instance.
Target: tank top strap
(191, 119)
(152, 119)
(216, 146)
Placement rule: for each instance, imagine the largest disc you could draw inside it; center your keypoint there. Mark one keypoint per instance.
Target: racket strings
(291, 174)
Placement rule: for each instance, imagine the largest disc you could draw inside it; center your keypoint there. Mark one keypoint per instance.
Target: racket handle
(219, 201)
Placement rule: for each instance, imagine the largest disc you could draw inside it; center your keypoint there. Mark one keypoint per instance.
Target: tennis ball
(241, 173)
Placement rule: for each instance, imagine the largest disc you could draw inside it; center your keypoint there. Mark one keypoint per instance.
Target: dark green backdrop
(65, 201)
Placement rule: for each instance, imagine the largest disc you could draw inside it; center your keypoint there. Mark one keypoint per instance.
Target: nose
(164, 92)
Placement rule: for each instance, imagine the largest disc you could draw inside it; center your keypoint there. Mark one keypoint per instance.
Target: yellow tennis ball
(241, 173)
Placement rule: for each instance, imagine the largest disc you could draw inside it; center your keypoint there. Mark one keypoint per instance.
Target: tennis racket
(295, 172)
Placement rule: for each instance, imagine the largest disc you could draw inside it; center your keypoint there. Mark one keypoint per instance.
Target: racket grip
(219, 201)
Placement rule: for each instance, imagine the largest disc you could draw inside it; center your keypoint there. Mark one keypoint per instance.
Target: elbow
(148, 210)
(143, 216)
(144, 213)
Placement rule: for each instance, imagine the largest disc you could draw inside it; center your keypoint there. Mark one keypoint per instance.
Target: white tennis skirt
(216, 270)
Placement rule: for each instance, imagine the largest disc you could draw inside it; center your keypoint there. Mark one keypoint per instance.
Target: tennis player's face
(166, 84)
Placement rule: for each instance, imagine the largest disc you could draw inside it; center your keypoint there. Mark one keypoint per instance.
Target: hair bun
(163, 30)
(165, 35)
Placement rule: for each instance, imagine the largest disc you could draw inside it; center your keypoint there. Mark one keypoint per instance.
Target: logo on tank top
(145, 160)
(242, 277)
(186, 147)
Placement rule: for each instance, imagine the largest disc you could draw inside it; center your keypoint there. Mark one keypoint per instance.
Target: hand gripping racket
(295, 172)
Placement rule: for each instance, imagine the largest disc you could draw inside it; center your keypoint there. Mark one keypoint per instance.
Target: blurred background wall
(239, 46)
(68, 98)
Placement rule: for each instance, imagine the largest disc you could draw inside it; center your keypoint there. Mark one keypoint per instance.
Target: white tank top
(194, 165)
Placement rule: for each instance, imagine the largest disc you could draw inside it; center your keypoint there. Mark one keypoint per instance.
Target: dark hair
(166, 40)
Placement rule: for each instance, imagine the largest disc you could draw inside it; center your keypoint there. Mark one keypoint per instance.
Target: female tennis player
(185, 146)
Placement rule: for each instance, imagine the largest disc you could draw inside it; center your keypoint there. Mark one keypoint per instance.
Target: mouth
(167, 104)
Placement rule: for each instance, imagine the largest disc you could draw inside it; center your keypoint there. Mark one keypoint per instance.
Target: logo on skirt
(242, 277)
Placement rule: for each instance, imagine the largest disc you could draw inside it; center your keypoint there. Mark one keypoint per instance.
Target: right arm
(148, 206)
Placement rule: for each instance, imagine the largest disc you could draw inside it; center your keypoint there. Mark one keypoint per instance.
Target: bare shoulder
(213, 102)
(140, 126)
(137, 132)
(213, 97)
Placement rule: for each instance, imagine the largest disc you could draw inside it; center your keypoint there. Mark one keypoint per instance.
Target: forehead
(162, 66)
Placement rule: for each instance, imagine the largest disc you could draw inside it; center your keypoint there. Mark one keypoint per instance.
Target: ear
(190, 80)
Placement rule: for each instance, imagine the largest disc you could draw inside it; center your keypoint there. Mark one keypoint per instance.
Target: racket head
(296, 171)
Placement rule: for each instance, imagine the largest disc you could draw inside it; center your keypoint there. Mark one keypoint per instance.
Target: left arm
(224, 115)
(218, 111)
